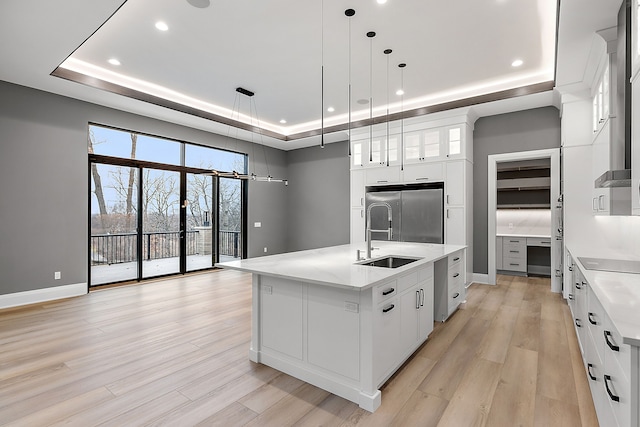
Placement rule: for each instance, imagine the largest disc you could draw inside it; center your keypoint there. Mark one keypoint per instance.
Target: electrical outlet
(351, 306)
(265, 249)
(510, 226)
(257, 224)
(57, 275)
(267, 289)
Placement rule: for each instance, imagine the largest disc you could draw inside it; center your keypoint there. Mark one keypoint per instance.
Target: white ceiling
(277, 48)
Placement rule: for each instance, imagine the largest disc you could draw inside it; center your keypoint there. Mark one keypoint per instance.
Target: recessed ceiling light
(331, 109)
(114, 61)
(381, 1)
(162, 26)
(517, 63)
(199, 3)
(399, 92)
(283, 121)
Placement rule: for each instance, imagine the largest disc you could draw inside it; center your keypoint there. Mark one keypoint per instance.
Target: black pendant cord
(371, 35)
(349, 13)
(401, 66)
(322, 74)
(387, 52)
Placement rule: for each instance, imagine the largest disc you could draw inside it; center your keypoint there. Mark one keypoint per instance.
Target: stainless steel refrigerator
(417, 213)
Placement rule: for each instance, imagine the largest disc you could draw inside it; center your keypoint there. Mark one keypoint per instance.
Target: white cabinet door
(410, 303)
(454, 183)
(357, 225)
(357, 187)
(425, 318)
(499, 265)
(281, 316)
(423, 172)
(453, 139)
(387, 348)
(455, 226)
(635, 146)
(382, 175)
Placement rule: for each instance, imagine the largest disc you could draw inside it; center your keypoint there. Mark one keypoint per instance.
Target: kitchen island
(324, 317)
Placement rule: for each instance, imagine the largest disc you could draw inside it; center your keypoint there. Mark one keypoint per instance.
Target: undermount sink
(390, 262)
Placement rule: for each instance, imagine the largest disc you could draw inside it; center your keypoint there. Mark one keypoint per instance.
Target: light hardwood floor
(175, 352)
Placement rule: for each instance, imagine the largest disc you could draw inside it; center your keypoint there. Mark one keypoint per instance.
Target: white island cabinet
(323, 317)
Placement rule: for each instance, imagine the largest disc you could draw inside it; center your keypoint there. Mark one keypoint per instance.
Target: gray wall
(527, 130)
(318, 196)
(44, 185)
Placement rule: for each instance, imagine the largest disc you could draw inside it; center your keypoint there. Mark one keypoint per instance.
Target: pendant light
(401, 148)
(252, 176)
(387, 52)
(371, 35)
(349, 13)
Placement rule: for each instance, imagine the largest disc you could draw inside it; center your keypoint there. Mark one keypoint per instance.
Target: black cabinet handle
(388, 309)
(571, 297)
(421, 297)
(456, 259)
(607, 380)
(388, 291)
(611, 345)
(578, 323)
(456, 295)
(515, 252)
(589, 366)
(456, 275)
(591, 319)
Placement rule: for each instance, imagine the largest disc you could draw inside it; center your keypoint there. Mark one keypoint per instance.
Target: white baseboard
(42, 295)
(481, 278)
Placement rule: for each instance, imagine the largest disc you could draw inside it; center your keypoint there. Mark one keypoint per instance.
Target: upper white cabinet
(601, 99)
(635, 108)
(635, 145)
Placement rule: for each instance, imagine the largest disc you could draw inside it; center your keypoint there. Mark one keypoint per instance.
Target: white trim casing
(41, 295)
(480, 278)
(556, 252)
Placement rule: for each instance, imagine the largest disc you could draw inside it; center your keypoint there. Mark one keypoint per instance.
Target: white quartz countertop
(538, 236)
(619, 294)
(337, 265)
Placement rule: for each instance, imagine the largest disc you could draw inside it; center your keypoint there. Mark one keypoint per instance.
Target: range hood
(620, 174)
(614, 179)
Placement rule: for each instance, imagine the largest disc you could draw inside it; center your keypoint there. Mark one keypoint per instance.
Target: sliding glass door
(113, 246)
(162, 233)
(200, 209)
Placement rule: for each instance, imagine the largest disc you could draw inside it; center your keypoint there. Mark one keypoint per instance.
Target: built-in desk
(523, 255)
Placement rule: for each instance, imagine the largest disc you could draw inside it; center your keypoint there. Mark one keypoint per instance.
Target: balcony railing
(121, 247)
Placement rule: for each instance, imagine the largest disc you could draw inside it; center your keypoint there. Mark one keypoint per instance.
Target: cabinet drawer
(617, 391)
(518, 241)
(539, 241)
(595, 321)
(423, 172)
(455, 259)
(454, 301)
(515, 252)
(514, 264)
(614, 349)
(386, 291)
(382, 175)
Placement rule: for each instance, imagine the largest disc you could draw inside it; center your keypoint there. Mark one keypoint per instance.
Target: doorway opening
(540, 225)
